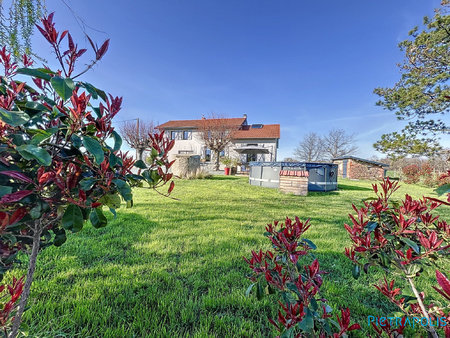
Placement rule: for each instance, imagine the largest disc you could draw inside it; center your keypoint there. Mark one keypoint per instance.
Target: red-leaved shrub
(403, 239)
(411, 173)
(295, 277)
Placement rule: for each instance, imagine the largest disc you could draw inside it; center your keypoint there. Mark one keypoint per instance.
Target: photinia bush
(9, 297)
(411, 173)
(60, 158)
(403, 238)
(303, 311)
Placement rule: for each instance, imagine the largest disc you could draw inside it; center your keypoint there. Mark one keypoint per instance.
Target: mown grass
(169, 268)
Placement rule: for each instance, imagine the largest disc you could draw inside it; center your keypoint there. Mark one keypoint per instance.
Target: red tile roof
(197, 123)
(267, 131)
(247, 132)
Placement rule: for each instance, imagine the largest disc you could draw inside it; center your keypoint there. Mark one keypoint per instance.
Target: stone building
(359, 168)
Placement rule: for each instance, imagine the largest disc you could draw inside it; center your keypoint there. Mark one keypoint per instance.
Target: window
(187, 135)
(251, 157)
(222, 153)
(208, 154)
(252, 144)
(173, 135)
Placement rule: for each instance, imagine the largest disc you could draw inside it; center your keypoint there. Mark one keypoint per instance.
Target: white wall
(195, 146)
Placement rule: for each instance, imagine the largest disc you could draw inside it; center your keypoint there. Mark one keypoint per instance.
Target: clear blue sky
(307, 65)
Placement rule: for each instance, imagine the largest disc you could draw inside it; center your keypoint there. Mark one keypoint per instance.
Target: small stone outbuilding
(360, 168)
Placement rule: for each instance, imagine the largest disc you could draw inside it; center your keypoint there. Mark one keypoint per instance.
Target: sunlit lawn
(174, 268)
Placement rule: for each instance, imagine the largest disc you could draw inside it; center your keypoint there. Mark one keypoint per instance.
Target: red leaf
(443, 281)
(102, 50)
(17, 175)
(92, 44)
(172, 185)
(355, 326)
(63, 34)
(15, 196)
(17, 215)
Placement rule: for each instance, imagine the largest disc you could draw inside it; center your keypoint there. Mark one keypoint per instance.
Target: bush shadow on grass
(351, 187)
(222, 178)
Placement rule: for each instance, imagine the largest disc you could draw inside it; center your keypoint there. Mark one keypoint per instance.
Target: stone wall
(364, 171)
(295, 182)
(185, 165)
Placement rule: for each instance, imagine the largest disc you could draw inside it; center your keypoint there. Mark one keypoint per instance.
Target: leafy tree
(17, 24)
(422, 94)
(338, 143)
(310, 148)
(399, 145)
(56, 167)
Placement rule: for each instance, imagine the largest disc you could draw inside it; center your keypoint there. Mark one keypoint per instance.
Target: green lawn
(175, 268)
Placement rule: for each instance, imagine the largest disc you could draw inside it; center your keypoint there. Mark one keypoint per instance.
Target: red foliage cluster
(401, 238)
(9, 295)
(280, 271)
(412, 173)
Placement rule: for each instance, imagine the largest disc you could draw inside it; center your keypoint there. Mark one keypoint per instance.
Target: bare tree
(216, 132)
(310, 148)
(338, 143)
(136, 135)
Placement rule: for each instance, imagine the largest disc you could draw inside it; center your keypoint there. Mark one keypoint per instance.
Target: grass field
(174, 268)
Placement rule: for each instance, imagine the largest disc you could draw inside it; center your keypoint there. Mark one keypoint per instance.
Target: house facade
(250, 142)
(359, 168)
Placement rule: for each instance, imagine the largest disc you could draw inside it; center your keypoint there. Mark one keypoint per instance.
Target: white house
(250, 142)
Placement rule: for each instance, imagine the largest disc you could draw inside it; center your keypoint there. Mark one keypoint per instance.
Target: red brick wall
(360, 170)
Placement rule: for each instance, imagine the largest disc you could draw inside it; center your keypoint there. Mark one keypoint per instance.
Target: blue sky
(307, 65)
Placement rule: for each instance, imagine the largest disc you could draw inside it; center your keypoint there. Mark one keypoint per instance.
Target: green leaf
(87, 183)
(35, 106)
(412, 244)
(95, 148)
(310, 243)
(14, 118)
(76, 140)
(371, 226)
(443, 189)
(259, 290)
(307, 324)
(60, 237)
(356, 271)
(41, 135)
(72, 218)
(91, 90)
(124, 189)
(64, 87)
(117, 140)
(249, 289)
(4, 190)
(111, 200)
(140, 164)
(39, 73)
(314, 304)
(97, 218)
(289, 333)
(33, 152)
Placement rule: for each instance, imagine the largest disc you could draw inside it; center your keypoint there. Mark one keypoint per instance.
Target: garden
(176, 268)
(94, 242)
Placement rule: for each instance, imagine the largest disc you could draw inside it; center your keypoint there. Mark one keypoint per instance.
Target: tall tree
(310, 148)
(422, 95)
(216, 132)
(338, 143)
(136, 134)
(17, 24)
